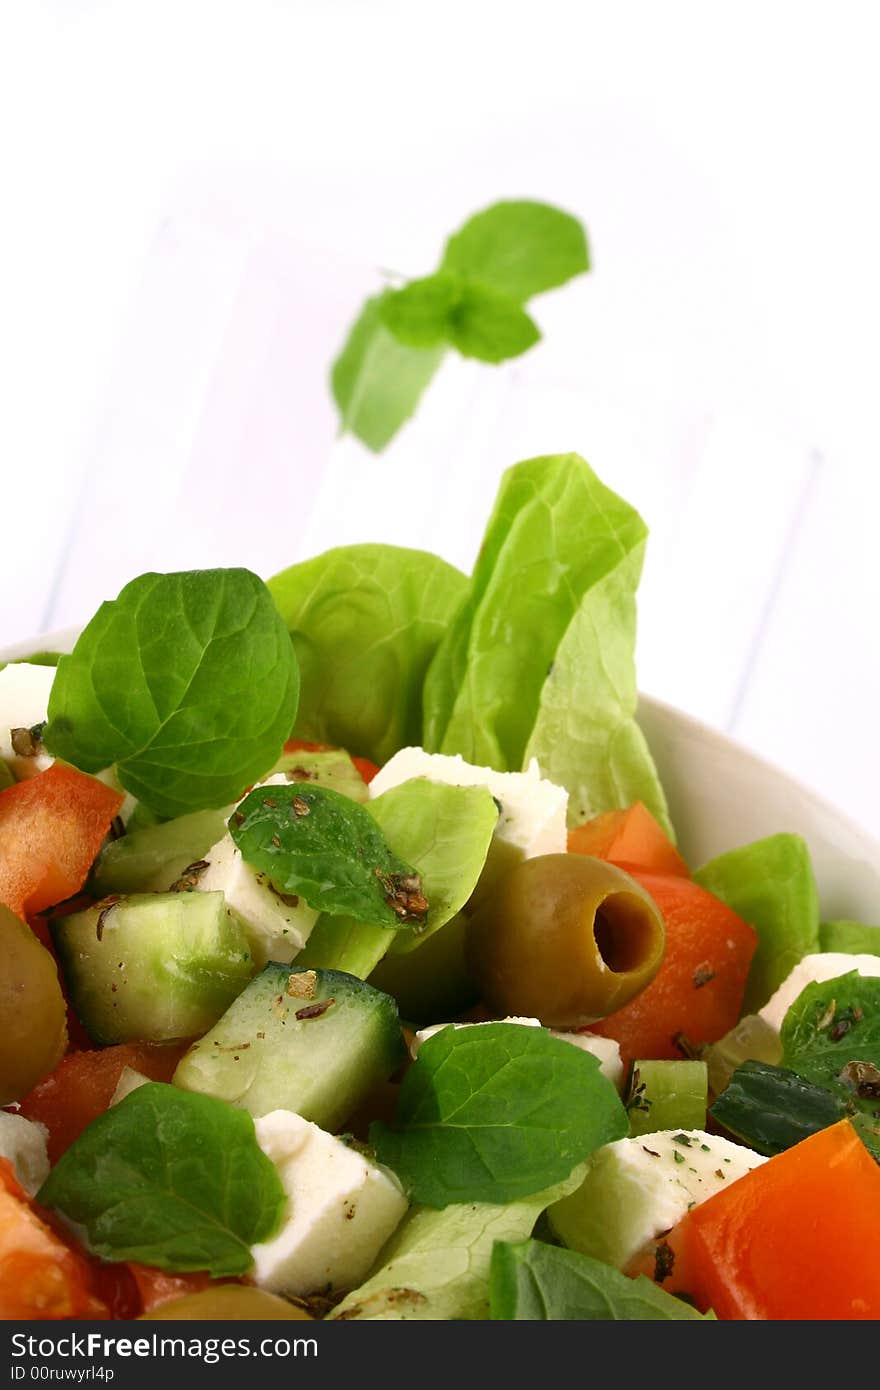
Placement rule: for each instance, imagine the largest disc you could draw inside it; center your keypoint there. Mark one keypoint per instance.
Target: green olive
(238, 1302)
(566, 939)
(34, 1017)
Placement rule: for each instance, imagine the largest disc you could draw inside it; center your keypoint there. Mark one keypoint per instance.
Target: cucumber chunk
(667, 1095)
(152, 967)
(276, 1049)
(152, 859)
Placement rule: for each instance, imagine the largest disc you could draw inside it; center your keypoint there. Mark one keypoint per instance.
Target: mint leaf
(378, 380)
(831, 1024)
(520, 248)
(531, 1280)
(188, 682)
(473, 302)
(436, 1265)
(493, 1113)
(419, 314)
(489, 325)
(445, 832)
(365, 622)
(172, 1179)
(324, 847)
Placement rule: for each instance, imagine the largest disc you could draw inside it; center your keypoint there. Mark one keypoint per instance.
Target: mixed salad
(351, 970)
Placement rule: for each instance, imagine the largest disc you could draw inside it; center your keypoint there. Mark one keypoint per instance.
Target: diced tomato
(157, 1286)
(793, 1240)
(41, 1275)
(630, 839)
(366, 768)
(82, 1085)
(51, 828)
(697, 994)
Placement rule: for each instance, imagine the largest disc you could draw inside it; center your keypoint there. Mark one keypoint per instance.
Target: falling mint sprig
(473, 304)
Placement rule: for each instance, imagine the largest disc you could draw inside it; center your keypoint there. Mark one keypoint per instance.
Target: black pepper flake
(314, 1010)
(238, 817)
(720, 1173)
(845, 1022)
(299, 806)
(190, 876)
(664, 1261)
(272, 804)
(863, 1078)
(703, 974)
(403, 894)
(652, 1152)
(24, 743)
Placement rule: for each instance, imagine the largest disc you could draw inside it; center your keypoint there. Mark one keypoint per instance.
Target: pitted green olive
(33, 1035)
(566, 939)
(237, 1302)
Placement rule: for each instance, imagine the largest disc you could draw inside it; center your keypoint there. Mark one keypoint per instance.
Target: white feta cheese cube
(532, 811)
(24, 702)
(636, 1189)
(606, 1049)
(826, 965)
(23, 1142)
(277, 925)
(341, 1209)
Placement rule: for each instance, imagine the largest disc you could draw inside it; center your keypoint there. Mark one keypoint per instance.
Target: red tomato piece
(630, 839)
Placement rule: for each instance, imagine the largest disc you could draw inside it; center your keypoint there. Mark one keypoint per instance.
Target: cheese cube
(826, 965)
(531, 810)
(636, 1189)
(277, 925)
(341, 1209)
(24, 702)
(23, 1142)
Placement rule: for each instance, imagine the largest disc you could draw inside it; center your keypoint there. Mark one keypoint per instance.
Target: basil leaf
(324, 847)
(770, 884)
(365, 622)
(556, 574)
(489, 325)
(188, 682)
(531, 1280)
(436, 1265)
(171, 1179)
(445, 832)
(491, 1114)
(419, 313)
(377, 379)
(771, 1108)
(520, 248)
(831, 1036)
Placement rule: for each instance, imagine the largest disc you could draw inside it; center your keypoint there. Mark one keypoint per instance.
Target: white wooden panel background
(198, 197)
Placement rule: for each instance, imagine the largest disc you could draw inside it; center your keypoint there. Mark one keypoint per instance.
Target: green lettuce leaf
(171, 1179)
(365, 622)
(770, 884)
(520, 248)
(585, 736)
(852, 938)
(494, 1113)
(320, 845)
(539, 659)
(188, 682)
(531, 1280)
(377, 379)
(490, 326)
(436, 1265)
(445, 833)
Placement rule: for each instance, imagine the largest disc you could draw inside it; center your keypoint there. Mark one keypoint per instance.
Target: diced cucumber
(152, 967)
(331, 768)
(750, 1040)
(276, 1048)
(152, 859)
(667, 1095)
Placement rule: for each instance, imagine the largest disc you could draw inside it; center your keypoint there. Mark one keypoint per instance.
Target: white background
(196, 197)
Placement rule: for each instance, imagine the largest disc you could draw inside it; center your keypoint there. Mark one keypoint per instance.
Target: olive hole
(625, 933)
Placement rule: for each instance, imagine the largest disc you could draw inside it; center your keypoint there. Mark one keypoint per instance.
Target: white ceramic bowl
(720, 796)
